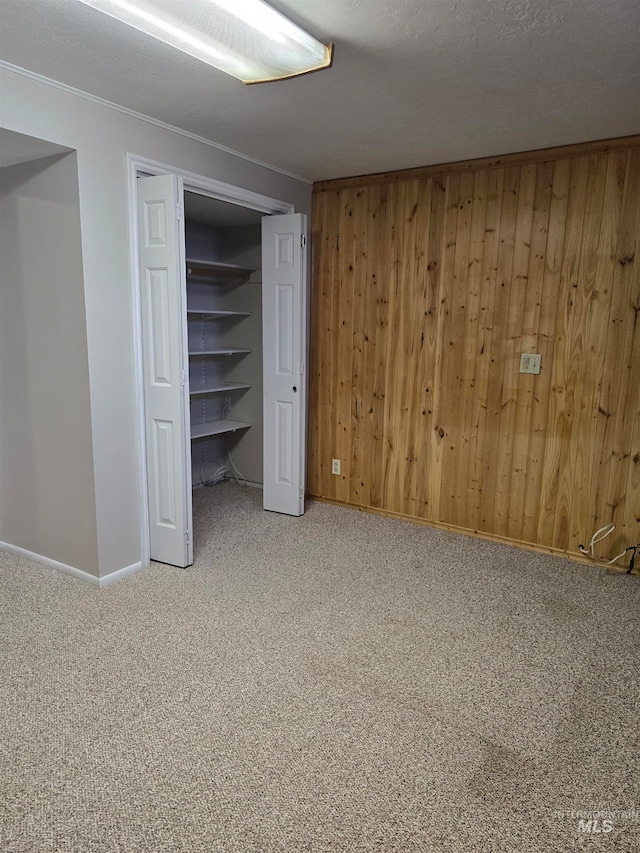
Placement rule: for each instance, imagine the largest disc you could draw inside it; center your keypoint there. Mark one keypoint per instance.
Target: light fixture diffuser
(244, 38)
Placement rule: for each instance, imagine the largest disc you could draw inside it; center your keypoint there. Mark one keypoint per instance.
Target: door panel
(284, 275)
(159, 327)
(284, 295)
(164, 358)
(284, 426)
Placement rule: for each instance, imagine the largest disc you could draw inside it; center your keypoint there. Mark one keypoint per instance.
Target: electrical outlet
(335, 466)
(530, 362)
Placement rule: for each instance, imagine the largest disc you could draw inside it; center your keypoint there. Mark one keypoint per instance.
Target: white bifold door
(166, 402)
(284, 344)
(165, 365)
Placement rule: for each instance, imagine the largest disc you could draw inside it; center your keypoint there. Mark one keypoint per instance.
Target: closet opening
(220, 292)
(223, 248)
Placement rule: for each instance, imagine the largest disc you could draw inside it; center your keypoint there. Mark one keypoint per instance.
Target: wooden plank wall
(426, 289)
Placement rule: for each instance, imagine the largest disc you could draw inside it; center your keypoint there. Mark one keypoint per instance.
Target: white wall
(47, 503)
(102, 136)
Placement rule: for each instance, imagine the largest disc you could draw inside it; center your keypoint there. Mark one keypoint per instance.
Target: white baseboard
(119, 574)
(71, 570)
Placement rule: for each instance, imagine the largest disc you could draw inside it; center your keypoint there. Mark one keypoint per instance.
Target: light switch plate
(530, 362)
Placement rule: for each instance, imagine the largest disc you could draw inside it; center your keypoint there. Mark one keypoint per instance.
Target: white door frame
(192, 182)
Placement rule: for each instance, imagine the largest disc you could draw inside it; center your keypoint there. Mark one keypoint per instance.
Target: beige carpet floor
(338, 682)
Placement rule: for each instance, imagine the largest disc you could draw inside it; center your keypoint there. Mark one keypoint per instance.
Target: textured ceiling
(414, 82)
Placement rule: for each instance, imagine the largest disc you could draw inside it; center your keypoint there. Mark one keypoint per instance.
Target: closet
(223, 331)
(224, 338)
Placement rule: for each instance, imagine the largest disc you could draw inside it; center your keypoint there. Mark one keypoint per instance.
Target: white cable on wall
(598, 536)
(240, 479)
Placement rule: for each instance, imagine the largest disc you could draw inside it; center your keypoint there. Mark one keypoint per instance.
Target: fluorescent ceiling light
(244, 38)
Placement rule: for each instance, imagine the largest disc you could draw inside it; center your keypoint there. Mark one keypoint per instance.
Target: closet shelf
(216, 271)
(216, 428)
(206, 313)
(218, 388)
(196, 353)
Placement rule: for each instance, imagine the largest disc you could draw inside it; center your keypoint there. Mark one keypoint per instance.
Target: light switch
(530, 362)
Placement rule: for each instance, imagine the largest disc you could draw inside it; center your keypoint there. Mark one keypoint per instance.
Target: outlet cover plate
(530, 362)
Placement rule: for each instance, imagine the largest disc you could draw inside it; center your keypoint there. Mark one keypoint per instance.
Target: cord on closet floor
(221, 472)
(219, 475)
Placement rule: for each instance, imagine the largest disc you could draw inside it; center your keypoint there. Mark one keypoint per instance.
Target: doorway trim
(138, 167)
